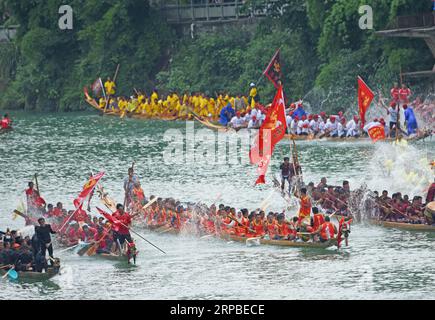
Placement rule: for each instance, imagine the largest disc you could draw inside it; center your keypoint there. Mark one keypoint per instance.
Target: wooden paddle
(149, 203)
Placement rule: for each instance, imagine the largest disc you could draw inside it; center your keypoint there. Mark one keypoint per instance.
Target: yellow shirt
(154, 98)
(110, 87)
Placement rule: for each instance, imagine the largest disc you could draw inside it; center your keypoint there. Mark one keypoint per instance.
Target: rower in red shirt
(122, 234)
(318, 218)
(395, 92)
(404, 94)
(58, 211)
(6, 122)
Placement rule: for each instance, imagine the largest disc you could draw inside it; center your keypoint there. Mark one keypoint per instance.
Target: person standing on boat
(123, 233)
(254, 97)
(6, 122)
(129, 181)
(287, 173)
(410, 120)
(43, 233)
(305, 207)
(393, 111)
(404, 94)
(395, 93)
(110, 87)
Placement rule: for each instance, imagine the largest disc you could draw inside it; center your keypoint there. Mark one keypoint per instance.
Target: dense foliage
(55, 64)
(322, 51)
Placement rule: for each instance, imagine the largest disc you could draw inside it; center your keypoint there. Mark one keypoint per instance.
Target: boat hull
(35, 276)
(404, 226)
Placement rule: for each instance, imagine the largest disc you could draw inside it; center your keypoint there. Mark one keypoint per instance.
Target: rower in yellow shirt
(102, 103)
(154, 97)
(253, 95)
(110, 86)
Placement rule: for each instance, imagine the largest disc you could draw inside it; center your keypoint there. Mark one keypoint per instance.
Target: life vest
(258, 227)
(318, 219)
(305, 209)
(271, 228)
(138, 194)
(327, 231)
(282, 229)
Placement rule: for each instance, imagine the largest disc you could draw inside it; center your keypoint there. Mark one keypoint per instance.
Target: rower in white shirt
(322, 125)
(341, 128)
(253, 123)
(294, 125)
(237, 121)
(288, 119)
(331, 127)
(352, 128)
(314, 124)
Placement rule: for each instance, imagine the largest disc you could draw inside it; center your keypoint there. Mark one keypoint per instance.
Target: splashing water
(400, 167)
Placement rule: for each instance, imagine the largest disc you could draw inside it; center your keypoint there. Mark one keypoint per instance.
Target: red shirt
(80, 215)
(5, 123)
(404, 94)
(57, 212)
(125, 221)
(395, 93)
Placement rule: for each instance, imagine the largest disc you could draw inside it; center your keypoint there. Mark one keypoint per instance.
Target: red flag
(365, 97)
(271, 132)
(113, 221)
(377, 132)
(273, 71)
(87, 189)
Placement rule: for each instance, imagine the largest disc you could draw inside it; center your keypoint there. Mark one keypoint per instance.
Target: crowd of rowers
(172, 105)
(246, 111)
(400, 208)
(74, 226)
(24, 253)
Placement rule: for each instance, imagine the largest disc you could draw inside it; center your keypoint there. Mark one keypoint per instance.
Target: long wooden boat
(404, 226)
(285, 243)
(221, 128)
(91, 101)
(35, 276)
(280, 243)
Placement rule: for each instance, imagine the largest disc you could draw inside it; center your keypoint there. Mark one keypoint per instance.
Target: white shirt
(253, 124)
(332, 127)
(322, 126)
(293, 126)
(288, 120)
(237, 122)
(305, 126)
(351, 128)
(299, 129)
(340, 129)
(314, 126)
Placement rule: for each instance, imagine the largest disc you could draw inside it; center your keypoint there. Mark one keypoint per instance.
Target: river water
(63, 148)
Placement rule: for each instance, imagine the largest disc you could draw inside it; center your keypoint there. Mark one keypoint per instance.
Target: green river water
(63, 148)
